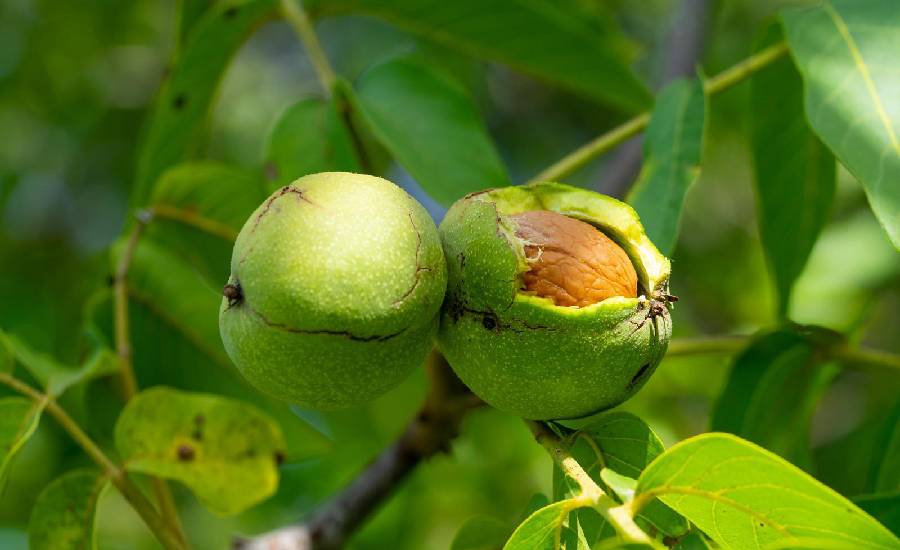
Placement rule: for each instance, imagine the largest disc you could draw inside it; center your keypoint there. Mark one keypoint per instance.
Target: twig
(593, 149)
(195, 220)
(619, 516)
(120, 305)
(436, 424)
(166, 535)
(124, 352)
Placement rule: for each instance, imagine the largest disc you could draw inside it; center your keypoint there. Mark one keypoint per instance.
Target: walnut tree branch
(429, 433)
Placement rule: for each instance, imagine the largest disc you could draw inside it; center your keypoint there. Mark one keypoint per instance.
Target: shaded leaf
(480, 533)
(200, 208)
(883, 507)
(886, 460)
(19, 418)
(63, 515)
(540, 38)
(309, 137)
(225, 451)
(846, 52)
(771, 394)
(743, 496)
(794, 171)
(177, 123)
(672, 146)
(54, 376)
(430, 125)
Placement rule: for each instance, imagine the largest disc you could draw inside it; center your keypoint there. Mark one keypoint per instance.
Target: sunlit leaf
(540, 38)
(846, 52)
(225, 451)
(177, 123)
(543, 529)
(672, 147)
(63, 516)
(743, 496)
(430, 125)
(794, 171)
(309, 137)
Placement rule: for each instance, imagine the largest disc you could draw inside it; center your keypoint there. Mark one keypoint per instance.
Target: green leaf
(846, 52)
(886, 458)
(52, 375)
(794, 171)
(19, 418)
(225, 451)
(623, 444)
(177, 122)
(63, 515)
(883, 507)
(430, 125)
(543, 530)
(622, 486)
(200, 207)
(672, 147)
(771, 394)
(191, 11)
(309, 137)
(480, 533)
(693, 541)
(539, 38)
(743, 496)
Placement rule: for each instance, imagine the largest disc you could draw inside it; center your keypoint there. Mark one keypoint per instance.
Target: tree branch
(429, 433)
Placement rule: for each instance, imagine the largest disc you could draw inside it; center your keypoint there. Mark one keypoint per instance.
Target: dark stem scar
(345, 333)
(417, 275)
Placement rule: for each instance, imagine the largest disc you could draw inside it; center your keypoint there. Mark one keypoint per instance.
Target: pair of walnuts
(545, 298)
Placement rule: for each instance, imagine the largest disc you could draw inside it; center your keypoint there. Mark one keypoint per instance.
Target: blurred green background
(76, 81)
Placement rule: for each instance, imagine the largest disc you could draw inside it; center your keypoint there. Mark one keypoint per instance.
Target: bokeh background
(76, 82)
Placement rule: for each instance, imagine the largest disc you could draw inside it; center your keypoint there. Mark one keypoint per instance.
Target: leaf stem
(603, 143)
(195, 220)
(166, 535)
(619, 516)
(124, 352)
(297, 18)
(120, 306)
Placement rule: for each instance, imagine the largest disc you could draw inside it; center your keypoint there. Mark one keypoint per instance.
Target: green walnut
(557, 303)
(335, 287)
